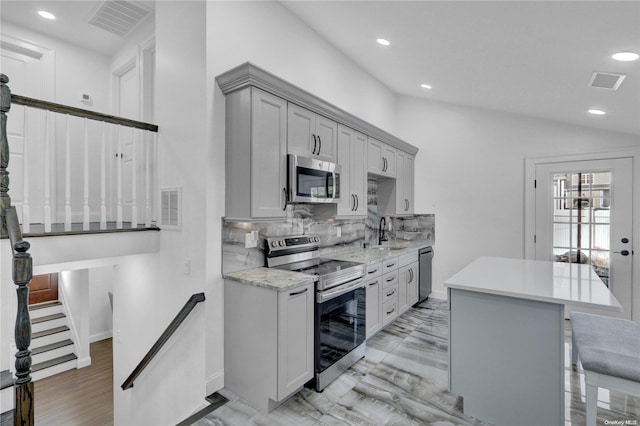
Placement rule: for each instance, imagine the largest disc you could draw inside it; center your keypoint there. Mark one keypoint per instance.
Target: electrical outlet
(249, 240)
(338, 231)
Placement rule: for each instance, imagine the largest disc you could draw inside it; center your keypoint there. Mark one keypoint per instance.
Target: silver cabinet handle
(315, 143)
(319, 144)
(357, 202)
(299, 292)
(353, 202)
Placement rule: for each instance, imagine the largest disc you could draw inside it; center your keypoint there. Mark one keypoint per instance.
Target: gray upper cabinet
(310, 134)
(404, 183)
(352, 146)
(256, 154)
(381, 158)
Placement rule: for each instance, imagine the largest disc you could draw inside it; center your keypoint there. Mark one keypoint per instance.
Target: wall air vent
(118, 17)
(606, 80)
(170, 208)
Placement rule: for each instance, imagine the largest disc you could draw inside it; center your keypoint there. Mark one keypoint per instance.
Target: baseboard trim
(214, 382)
(84, 362)
(100, 336)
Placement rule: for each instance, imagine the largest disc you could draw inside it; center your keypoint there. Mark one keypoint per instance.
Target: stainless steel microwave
(311, 180)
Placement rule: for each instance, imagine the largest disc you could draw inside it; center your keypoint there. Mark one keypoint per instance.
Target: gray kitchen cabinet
(352, 146)
(407, 286)
(390, 296)
(256, 154)
(269, 338)
(311, 134)
(381, 158)
(374, 299)
(405, 171)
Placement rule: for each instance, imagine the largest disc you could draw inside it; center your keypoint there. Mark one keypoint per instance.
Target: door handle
(299, 292)
(353, 202)
(285, 198)
(319, 145)
(357, 202)
(315, 144)
(623, 252)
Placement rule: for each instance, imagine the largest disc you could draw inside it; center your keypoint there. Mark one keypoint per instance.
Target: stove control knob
(273, 243)
(281, 243)
(317, 239)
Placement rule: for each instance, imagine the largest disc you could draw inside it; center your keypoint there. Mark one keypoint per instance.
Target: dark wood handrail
(171, 328)
(79, 112)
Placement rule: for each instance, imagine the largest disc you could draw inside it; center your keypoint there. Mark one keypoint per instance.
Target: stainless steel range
(340, 302)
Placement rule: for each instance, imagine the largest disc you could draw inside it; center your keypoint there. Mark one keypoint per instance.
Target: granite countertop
(280, 280)
(371, 255)
(271, 278)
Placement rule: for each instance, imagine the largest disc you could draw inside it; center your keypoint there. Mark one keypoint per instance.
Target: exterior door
(583, 214)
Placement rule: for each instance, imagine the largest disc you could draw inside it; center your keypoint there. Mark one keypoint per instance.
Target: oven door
(313, 181)
(340, 325)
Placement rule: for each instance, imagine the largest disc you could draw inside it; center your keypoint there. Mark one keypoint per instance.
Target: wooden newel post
(22, 274)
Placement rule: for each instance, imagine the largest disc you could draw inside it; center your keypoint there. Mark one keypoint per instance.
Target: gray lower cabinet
(373, 309)
(268, 342)
(256, 154)
(389, 297)
(408, 286)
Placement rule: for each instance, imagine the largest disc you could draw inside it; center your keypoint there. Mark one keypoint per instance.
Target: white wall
(74, 293)
(470, 173)
(100, 314)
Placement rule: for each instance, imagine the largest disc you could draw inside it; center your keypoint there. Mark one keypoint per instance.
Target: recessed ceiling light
(625, 56)
(46, 15)
(383, 41)
(425, 86)
(596, 112)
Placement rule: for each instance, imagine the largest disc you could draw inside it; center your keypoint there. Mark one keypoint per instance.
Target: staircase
(52, 350)
(6, 398)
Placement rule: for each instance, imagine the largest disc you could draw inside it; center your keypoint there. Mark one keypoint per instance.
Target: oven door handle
(340, 290)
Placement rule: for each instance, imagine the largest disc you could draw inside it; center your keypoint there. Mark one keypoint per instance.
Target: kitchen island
(506, 336)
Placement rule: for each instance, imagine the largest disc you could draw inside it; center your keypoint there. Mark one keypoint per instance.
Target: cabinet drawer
(390, 294)
(389, 279)
(406, 259)
(389, 312)
(389, 264)
(374, 270)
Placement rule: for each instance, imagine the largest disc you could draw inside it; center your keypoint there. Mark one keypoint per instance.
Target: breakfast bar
(506, 342)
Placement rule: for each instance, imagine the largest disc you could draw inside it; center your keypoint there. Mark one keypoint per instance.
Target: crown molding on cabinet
(248, 74)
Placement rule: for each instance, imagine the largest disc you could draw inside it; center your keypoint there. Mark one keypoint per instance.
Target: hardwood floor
(79, 397)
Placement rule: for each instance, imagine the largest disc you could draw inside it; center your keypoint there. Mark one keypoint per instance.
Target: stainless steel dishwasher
(426, 255)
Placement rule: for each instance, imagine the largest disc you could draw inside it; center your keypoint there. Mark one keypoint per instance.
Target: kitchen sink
(388, 247)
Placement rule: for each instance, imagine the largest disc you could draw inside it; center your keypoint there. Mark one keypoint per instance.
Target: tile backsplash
(317, 219)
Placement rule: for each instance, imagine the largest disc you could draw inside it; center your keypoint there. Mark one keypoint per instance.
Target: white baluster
(103, 179)
(134, 178)
(67, 179)
(147, 179)
(47, 172)
(26, 213)
(85, 204)
(119, 180)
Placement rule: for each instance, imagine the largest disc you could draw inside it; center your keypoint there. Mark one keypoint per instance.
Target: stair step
(53, 362)
(6, 379)
(44, 305)
(48, 318)
(51, 351)
(49, 332)
(6, 418)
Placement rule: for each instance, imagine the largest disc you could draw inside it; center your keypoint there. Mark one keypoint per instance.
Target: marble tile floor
(403, 381)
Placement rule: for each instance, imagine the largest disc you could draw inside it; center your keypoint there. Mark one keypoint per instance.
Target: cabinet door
(412, 285)
(295, 339)
(404, 277)
(359, 172)
(375, 150)
(374, 306)
(301, 126)
(268, 154)
(327, 137)
(347, 200)
(401, 201)
(389, 154)
(409, 177)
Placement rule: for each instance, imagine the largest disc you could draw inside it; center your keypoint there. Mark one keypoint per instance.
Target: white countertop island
(506, 343)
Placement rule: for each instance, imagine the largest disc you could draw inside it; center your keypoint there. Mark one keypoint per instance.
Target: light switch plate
(249, 241)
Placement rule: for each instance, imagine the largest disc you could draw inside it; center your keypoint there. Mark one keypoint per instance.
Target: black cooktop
(319, 266)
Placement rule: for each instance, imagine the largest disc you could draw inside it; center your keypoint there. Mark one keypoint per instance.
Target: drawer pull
(391, 293)
(391, 311)
(373, 271)
(298, 292)
(391, 279)
(391, 265)
(373, 283)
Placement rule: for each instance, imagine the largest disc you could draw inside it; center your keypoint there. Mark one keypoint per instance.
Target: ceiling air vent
(606, 80)
(118, 16)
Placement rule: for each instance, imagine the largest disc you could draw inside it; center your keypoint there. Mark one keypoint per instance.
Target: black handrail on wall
(171, 328)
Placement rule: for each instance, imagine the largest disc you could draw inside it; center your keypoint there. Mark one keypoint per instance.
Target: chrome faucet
(381, 235)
